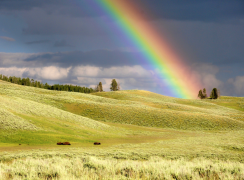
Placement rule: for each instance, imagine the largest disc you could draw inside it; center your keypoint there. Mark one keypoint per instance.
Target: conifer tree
(100, 87)
(200, 94)
(204, 93)
(214, 94)
(114, 85)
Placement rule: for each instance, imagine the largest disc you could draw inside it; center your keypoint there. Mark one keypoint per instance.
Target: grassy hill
(133, 126)
(39, 116)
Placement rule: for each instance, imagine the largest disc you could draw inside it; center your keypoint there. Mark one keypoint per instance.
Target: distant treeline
(31, 82)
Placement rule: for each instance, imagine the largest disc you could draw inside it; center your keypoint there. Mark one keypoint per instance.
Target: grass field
(144, 135)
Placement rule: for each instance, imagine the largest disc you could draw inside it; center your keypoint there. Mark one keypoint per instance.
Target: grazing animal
(19, 144)
(63, 143)
(97, 143)
(66, 143)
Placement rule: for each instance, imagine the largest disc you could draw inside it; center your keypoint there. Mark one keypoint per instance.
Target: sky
(71, 42)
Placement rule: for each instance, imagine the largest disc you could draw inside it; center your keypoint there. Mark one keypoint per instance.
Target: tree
(204, 93)
(100, 87)
(32, 82)
(200, 94)
(214, 94)
(114, 85)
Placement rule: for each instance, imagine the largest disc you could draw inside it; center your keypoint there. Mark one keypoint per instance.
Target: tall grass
(106, 168)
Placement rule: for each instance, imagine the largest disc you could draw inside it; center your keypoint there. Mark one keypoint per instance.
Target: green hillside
(143, 135)
(30, 115)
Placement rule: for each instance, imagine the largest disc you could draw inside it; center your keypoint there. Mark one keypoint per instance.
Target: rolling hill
(30, 115)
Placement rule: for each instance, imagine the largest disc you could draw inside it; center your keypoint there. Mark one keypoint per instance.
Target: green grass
(141, 133)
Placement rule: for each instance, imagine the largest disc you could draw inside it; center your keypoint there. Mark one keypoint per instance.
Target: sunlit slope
(127, 107)
(27, 121)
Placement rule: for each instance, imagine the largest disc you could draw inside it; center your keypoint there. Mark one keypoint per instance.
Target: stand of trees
(202, 94)
(114, 86)
(215, 94)
(31, 82)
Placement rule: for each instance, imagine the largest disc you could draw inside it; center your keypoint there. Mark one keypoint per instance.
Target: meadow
(143, 135)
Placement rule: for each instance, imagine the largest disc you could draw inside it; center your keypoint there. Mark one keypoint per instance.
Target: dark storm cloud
(39, 22)
(100, 58)
(205, 10)
(38, 42)
(61, 43)
(28, 4)
(74, 8)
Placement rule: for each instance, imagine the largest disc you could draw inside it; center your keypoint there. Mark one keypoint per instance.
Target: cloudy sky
(71, 42)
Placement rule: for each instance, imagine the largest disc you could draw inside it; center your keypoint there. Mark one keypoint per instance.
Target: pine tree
(114, 85)
(100, 87)
(214, 94)
(200, 94)
(204, 93)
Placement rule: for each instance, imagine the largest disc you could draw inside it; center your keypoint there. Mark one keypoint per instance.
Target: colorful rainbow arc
(155, 50)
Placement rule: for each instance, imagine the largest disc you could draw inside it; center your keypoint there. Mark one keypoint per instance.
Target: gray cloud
(40, 22)
(102, 58)
(216, 43)
(61, 43)
(38, 42)
(14, 5)
(190, 10)
(207, 10)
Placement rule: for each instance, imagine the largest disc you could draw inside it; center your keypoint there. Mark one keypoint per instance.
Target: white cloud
(50, 73)
(112, 72)
(12, 71)
(7, 38)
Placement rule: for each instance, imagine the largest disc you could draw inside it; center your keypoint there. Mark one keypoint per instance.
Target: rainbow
(176, 75)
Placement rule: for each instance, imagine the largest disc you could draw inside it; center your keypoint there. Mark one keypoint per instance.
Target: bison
(97, 143)
(63, 143)
(66, 143)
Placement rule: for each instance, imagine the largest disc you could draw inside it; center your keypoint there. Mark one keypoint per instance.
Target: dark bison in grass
(97, 143)
(63, 143)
